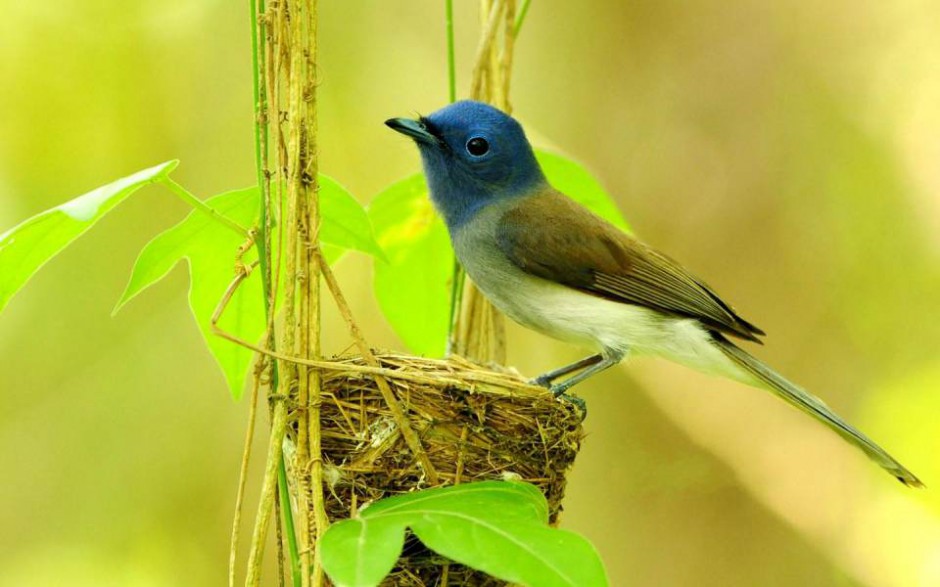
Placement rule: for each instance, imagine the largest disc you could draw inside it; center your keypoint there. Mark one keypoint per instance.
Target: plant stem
(288, 522)
(243, 473)
(456, 301)
(522, 14)
(268, 492)
(256, 91)
(312, 318)
(256, 8)
(260, 128)
(198, 204)
(451, 66)
(456, 286)
(479, 332)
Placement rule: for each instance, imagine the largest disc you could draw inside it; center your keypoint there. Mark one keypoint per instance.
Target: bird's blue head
(473, 155)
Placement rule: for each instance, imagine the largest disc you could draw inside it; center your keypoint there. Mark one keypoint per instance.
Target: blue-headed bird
(555, 267)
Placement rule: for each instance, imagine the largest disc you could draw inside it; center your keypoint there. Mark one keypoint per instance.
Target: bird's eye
(477, 146)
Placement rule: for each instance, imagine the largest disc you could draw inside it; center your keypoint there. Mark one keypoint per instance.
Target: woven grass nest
(476, 423)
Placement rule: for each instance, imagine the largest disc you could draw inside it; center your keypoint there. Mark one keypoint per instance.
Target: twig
(478, 329)
(278, 530)
(483, 50)
(198, 204)
(523, 12)
(283, 498)
(340, 366)
(258, 107)
(456, 300)
(243, 470)
(261, 76)
(296, 308)
(451, 66)
(310, 461)
(268, 492)
(505, 56)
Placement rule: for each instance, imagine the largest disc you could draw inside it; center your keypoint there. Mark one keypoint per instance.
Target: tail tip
(910, 480)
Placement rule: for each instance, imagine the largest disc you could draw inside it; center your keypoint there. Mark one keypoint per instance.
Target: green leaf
(345, 222)
(497, 527)
(572, 179)
(361, 552)
(210, 249)
(28, 246)
(413, 288)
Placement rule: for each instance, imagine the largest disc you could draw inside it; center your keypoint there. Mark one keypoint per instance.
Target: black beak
(414, 129)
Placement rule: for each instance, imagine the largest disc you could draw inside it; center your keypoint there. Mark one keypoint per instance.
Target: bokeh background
(786, 151)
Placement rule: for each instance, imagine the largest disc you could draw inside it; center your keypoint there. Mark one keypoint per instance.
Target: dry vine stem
(290, 30)
(360, 428)
(480, 329)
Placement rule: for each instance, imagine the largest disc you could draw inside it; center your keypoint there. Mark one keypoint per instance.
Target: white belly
(567, 314)
(602, 325)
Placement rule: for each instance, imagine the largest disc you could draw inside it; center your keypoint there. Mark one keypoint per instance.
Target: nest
(475, 424)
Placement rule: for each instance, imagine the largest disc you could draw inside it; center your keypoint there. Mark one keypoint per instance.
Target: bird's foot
(577, 402)
(560, 390)
(542, 381)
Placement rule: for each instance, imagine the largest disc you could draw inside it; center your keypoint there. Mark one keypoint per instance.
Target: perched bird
(553, 266)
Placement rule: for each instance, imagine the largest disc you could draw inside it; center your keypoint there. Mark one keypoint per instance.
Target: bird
(553, 266)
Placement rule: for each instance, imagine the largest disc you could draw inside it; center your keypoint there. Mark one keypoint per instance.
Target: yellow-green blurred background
(789, 152)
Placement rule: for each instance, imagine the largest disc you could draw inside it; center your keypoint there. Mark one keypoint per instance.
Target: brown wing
(551, 236)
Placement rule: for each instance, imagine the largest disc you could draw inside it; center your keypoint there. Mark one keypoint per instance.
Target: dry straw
(352, 430)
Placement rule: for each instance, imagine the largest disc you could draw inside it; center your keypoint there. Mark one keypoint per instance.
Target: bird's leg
(592, 365)
(545, 379)
(607, 360)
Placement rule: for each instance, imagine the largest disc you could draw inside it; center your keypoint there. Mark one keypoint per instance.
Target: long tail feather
(813, 406)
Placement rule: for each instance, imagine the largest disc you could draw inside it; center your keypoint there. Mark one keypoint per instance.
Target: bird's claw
(576, 402)
(559, 390)
(542, 381)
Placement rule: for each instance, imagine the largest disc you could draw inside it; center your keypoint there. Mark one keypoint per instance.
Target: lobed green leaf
(210, 248)
(413, 287)
(30, 245)
(344, 221)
